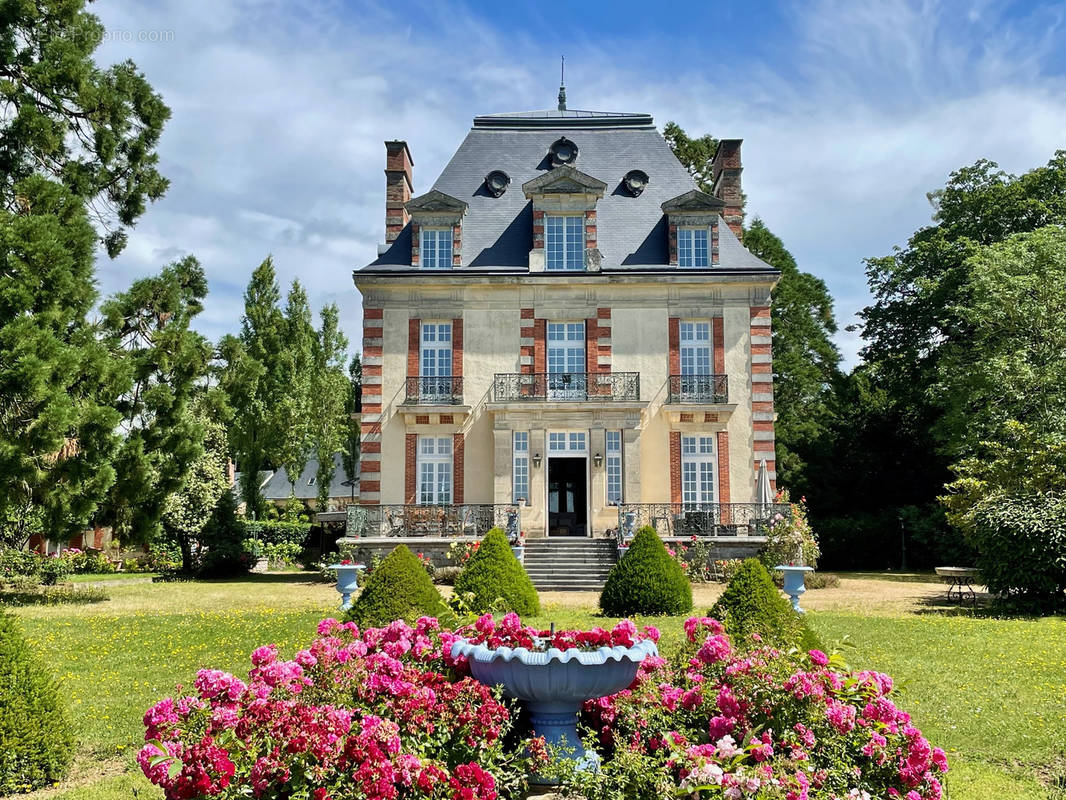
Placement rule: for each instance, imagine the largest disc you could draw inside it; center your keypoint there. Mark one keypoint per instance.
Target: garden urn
(347, 581)
(794, 587)
(553, 684)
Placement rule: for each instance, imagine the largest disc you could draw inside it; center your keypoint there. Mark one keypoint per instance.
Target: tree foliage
(695, 154)
(148, 328)
(352, 425)
(57, 379)
(398, 588)
(92, 130)
(330, 390)
(494, 580)
(292, 405)
(647, 580)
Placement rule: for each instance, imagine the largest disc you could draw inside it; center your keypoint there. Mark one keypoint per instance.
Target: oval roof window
(563, 151)
(497, 182)
(635, 181)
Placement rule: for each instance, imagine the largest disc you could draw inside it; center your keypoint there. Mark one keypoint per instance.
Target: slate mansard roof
(631, 231)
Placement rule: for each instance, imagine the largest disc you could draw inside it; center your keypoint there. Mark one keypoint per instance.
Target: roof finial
(562, 83)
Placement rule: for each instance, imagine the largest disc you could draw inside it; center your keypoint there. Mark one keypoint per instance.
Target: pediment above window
(436, 202)
(693, 202)
(564, 180)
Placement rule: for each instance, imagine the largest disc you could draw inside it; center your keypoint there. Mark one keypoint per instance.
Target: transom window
(434, 470)
(698, 470)
(436, 248)
(564, 240)
(520, 471)
(567, 442)
(614, 467)
(692, 247)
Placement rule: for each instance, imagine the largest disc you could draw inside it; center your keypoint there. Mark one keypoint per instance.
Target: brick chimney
(398, 186)
(725, 172)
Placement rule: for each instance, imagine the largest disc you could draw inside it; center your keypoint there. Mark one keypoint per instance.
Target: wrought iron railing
(706, 389)
(513, 387)
(700, 519)
(472, 520)
(444, 390)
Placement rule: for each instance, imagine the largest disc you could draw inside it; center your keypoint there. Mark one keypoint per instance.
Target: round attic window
(497, 182)
(635, 181)
(563, 151)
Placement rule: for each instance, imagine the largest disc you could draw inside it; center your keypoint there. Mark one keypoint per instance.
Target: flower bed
(386, 713)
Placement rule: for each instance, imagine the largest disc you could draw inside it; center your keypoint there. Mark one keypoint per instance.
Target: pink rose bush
(387, 714)
(758, 724)
(382, 713)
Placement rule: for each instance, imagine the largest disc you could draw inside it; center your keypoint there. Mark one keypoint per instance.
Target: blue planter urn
(554, 684)
(794, 577)
(347, 581)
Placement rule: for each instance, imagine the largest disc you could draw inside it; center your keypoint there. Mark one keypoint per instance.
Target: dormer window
(436, 248)
(565, 242)
(692, 248)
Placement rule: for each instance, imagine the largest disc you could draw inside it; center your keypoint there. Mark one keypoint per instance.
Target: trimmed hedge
(38, 744)
(751, 603)
(646, 581)
(399, 588)
(268, 532)
(493, 580)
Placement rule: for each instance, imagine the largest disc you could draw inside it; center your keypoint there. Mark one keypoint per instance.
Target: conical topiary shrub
(36, 743)
(493, 580)
(646, 581)
(399, 588)
(752, 604)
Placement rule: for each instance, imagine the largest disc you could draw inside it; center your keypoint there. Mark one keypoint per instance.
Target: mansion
(564, 323)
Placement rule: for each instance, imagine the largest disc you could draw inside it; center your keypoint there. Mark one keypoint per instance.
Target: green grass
(990, 691)
(110, 576)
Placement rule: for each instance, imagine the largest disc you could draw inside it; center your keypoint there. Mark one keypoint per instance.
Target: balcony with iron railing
(444, 390)
(684, 520)
(447, 521)
(698, 389)
(566, 387)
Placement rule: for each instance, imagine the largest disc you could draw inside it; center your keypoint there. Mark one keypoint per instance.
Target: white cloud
(280, 111)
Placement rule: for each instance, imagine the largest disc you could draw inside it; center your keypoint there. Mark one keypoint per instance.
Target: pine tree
(330, 390)
(148, 327)
(292, 404)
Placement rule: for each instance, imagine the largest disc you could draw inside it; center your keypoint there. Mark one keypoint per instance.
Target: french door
(435, 362)
(566, 361)
(697, 383)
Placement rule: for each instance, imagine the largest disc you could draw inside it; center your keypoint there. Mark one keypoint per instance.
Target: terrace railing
(700, 519)
(470, 520)
(444, 390)
(705, 389)
(513, 387)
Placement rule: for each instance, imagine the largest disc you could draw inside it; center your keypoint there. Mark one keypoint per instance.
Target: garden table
(960, 582)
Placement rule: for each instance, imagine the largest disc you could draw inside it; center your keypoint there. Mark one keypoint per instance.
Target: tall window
(692, 247)
(697, 384)
(564, 239)
(434, 470)
(520, 470)
(614, 467)
(436, 248)
(566, 360)
(435, 361)
(698, 464)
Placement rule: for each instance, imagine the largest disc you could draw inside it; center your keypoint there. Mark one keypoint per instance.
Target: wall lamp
(597, 459)
(536, 460)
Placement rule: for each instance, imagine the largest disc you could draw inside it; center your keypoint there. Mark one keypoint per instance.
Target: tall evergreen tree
(251, 379)
(695, 154)
(292, 405)
(61, 116)
(149, 329)
(329, 409)
(57, 381)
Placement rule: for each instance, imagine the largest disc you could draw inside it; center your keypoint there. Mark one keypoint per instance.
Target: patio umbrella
(764, 495)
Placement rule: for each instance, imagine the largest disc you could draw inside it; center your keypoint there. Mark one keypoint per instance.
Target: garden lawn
(992, 692)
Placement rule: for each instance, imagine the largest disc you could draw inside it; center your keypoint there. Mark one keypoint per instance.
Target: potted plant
(554, 673)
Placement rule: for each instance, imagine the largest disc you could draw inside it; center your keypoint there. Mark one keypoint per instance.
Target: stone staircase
(570, 565)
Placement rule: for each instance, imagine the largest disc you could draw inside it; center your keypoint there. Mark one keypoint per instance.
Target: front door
(567, 497)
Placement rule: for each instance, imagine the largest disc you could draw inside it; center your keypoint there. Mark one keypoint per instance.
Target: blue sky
(850, 112)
